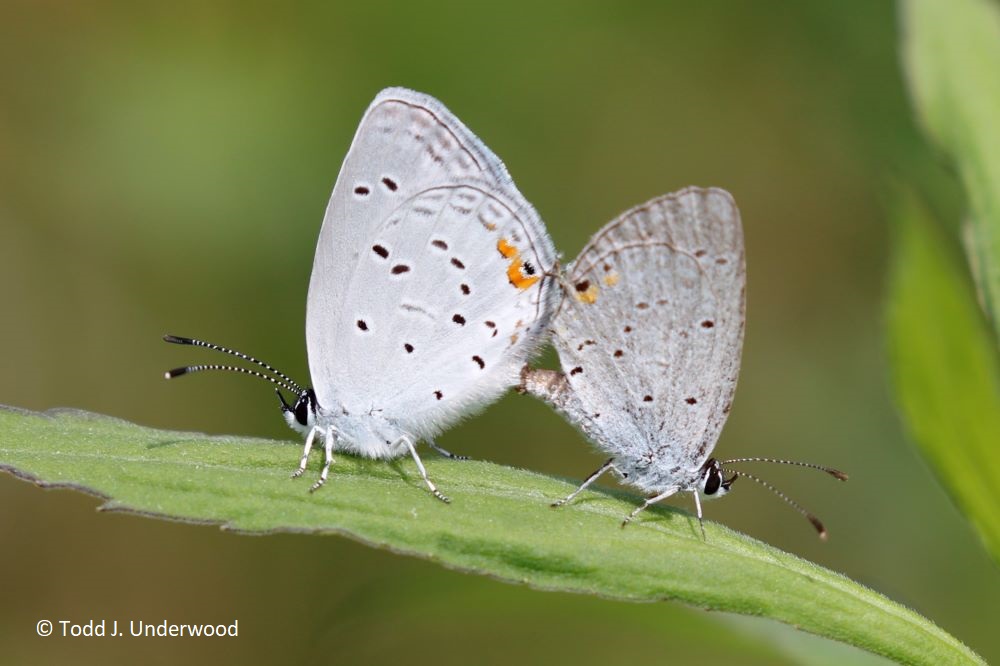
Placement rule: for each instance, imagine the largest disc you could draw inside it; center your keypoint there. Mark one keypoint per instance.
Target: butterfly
(431, 287)
(649, 333)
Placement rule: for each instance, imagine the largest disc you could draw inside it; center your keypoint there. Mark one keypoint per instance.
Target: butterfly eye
(712, 478)
(713, 481)
(303, 406)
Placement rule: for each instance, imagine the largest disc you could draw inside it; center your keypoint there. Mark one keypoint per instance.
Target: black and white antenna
(816, 523)
(282, 380)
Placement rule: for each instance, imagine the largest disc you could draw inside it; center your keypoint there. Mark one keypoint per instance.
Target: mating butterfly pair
(435, 281)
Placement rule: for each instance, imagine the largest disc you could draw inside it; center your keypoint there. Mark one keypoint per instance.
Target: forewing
(650, 329)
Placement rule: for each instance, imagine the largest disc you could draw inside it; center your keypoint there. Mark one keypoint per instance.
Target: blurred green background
(165, 169)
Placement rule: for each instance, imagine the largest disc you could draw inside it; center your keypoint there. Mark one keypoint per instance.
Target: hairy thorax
(366, 434)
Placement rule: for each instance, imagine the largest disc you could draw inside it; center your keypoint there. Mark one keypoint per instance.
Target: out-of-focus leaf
(944, 362)
(499, 524)
(951, 53)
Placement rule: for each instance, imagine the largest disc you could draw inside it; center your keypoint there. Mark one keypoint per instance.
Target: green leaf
(951, 53)
(499, 523)
(945, 368)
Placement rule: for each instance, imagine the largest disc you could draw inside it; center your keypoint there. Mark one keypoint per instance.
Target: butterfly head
(301, 416)
(713, 479)
(714, 483)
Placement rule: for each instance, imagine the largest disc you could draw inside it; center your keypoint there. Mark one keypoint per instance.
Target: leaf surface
(499, 524)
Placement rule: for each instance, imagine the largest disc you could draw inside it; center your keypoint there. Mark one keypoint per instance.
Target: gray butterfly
(649, 334)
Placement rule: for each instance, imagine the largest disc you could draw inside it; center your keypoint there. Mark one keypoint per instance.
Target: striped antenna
(836, 473)
(177, 372)
(289, 384)
(792, 503)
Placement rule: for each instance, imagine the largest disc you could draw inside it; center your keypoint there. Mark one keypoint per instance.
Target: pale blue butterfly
(431, 287)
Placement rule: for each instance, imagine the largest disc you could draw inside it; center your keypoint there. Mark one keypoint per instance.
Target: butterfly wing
(650, 329)
(428, 289)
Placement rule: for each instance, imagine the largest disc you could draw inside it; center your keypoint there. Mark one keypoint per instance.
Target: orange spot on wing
(588, 296)
(515, 270)
(506, 249)
(515, 273)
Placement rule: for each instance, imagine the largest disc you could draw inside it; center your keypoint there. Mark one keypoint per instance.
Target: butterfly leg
(328, 460)
(423, 472)
(701, 523)
(444, 452)
(648, 503)
(305, 453)
(590, 479)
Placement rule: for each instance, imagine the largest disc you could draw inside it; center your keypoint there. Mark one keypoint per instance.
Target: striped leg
(329, 440)
(590, 479)
(423, 472)
(444, 452)
(305, 453)
(648, 503)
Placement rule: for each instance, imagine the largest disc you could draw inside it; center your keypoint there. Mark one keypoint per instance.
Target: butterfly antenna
(836, 473)
(788, 500)
(177, 372)
(178, 340)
